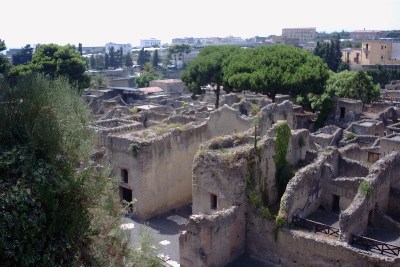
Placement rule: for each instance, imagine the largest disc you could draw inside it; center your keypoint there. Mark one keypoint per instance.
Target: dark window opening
(126, 194)
(124, 175)
(213, 201)
(370, 218)
(335, 203)
(342, 112)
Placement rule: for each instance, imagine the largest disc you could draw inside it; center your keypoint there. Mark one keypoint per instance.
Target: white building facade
(126, 48)
(150, 42)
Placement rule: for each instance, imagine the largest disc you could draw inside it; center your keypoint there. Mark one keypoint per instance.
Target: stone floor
(247, 261)
(164, 229)
(325, 217)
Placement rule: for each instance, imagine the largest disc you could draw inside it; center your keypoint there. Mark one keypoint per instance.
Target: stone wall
(157, 182)
(226, 120)
(382, 175)
(298, 248)
(275, 112)
(303, 192)
(352, 168)
(213, 240)
(389, 144)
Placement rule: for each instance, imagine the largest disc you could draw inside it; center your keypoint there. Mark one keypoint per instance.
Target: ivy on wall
(284, 170)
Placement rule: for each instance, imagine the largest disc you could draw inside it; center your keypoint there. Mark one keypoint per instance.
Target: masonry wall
(300, 248)
(213, 240)
(158, 183)
(382, 176)
(304, 191)
(225, 121)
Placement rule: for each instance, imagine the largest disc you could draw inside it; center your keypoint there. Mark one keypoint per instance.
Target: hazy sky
(94, 22)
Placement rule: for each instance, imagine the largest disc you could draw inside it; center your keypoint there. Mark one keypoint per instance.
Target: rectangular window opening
(213, 201)
(124, 175)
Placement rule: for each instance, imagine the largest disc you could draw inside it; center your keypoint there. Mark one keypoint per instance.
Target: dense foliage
(23, 56)
(55, 61)
(275, 70)
(284, 170)
(4, 63)
(207, 68)
(352, 84)
(53, 213)
(383, 76)
(346, 84)
(330, 52)
(147, 75)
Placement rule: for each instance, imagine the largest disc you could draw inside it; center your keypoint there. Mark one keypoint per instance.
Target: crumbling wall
(272, 113)
(297, 248)
(226, 120)
(213, 240)
(389, 144)
(351, 168)
(354, 152)
(303, 192)
(221, 173)
(374, 196)
(158, 183)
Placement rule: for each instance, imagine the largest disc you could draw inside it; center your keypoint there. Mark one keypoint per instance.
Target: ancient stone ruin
(261, 180)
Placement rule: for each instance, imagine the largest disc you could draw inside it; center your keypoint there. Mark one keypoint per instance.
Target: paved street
(165, 230)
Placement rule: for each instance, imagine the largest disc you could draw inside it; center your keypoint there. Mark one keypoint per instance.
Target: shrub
(365, 188)
(53, 213)
(266, 213)
(350, 136)
(134, 110)
(134, 148)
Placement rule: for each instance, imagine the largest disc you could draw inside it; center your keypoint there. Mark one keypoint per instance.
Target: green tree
(330, 52)
(23, 56)
(272, 70)
(111, 56)
(207, 68)
(4, 63)
(106, 61)
(352, 84)
(155, 59)
(53, 213)
(146, 76)
(143, 58)
(80, 49)
(92, 62)
(55, 61)
(128, 62)
(179, 50)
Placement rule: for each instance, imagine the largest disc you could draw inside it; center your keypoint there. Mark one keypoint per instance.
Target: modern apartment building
(150, 42)
(126, 48)
(373, 52)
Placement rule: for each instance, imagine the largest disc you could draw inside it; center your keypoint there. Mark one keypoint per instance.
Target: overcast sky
(94, 22)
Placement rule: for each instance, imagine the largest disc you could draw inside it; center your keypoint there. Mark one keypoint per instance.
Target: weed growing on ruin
(254, 109)
(134, 148)
(266, 213)
(365, 188)
(280, 222)
(134, 110)
(350, 136)
(254, 199)
(284, 170)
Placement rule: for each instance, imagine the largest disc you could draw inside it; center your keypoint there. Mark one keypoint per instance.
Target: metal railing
(316, 227)
(375, 245)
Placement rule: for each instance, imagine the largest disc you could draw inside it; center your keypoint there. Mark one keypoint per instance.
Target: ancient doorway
(342, 112)
(373, 157)
(126, 194)
(213, 201)
(335, 203)
(370, 218)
